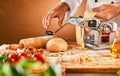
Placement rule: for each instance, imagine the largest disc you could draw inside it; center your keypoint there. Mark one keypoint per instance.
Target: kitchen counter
(85, 74)
(94, 70)
(91, 74)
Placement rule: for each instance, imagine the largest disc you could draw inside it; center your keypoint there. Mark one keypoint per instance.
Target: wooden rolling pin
(37, 42)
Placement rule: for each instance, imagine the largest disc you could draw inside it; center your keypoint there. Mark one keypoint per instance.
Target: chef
(107, 10)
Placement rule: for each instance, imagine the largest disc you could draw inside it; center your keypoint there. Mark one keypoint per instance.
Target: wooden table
(104, 63)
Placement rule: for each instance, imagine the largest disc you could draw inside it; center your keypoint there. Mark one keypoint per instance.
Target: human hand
(58, 12)
(107, 11)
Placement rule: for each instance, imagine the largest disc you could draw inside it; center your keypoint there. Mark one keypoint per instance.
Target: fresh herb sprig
(4, 57)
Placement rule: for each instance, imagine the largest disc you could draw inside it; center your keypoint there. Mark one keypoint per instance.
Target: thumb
(60, 21)
(97, 9)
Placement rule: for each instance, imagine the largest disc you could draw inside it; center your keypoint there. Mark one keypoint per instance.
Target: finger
(50, 17)
(60, 20)
(101, 15)
(44, 22)
(97, 9)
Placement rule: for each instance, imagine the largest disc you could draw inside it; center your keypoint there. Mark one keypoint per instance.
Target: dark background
(23, 18)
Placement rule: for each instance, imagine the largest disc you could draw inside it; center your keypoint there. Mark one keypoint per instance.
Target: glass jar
(115, 48)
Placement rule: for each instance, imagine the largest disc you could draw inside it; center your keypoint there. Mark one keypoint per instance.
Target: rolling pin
(37, 42)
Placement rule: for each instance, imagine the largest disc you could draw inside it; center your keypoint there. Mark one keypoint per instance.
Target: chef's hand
(107, 11)
(58, 12)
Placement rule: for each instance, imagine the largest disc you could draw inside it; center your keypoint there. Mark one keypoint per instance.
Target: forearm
(73, 4)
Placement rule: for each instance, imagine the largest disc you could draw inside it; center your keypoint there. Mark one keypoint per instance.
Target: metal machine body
(100, 31)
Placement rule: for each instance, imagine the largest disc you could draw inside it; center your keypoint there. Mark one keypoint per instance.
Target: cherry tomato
(24, 55)
(39, 57)
(30, 49)
(13, 58)
(42, 51)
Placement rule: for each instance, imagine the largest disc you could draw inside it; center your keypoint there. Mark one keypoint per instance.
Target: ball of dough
(57, 45)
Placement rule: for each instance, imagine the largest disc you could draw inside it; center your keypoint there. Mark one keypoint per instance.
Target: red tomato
(42, 51)
(24, 55)
(30, 49)
(13, 58)
(39, 57)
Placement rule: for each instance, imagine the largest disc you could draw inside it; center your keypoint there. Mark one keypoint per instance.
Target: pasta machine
(100, 31)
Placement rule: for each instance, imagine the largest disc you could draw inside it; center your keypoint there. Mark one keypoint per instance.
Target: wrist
(65, 6)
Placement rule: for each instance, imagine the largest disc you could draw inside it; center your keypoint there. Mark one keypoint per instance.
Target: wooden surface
(103, 63)
(92, 68)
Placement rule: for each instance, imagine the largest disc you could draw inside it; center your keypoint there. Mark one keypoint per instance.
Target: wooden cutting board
(103, 63)
(92, 68)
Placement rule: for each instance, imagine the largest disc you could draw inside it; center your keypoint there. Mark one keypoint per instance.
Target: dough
(56, 45)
